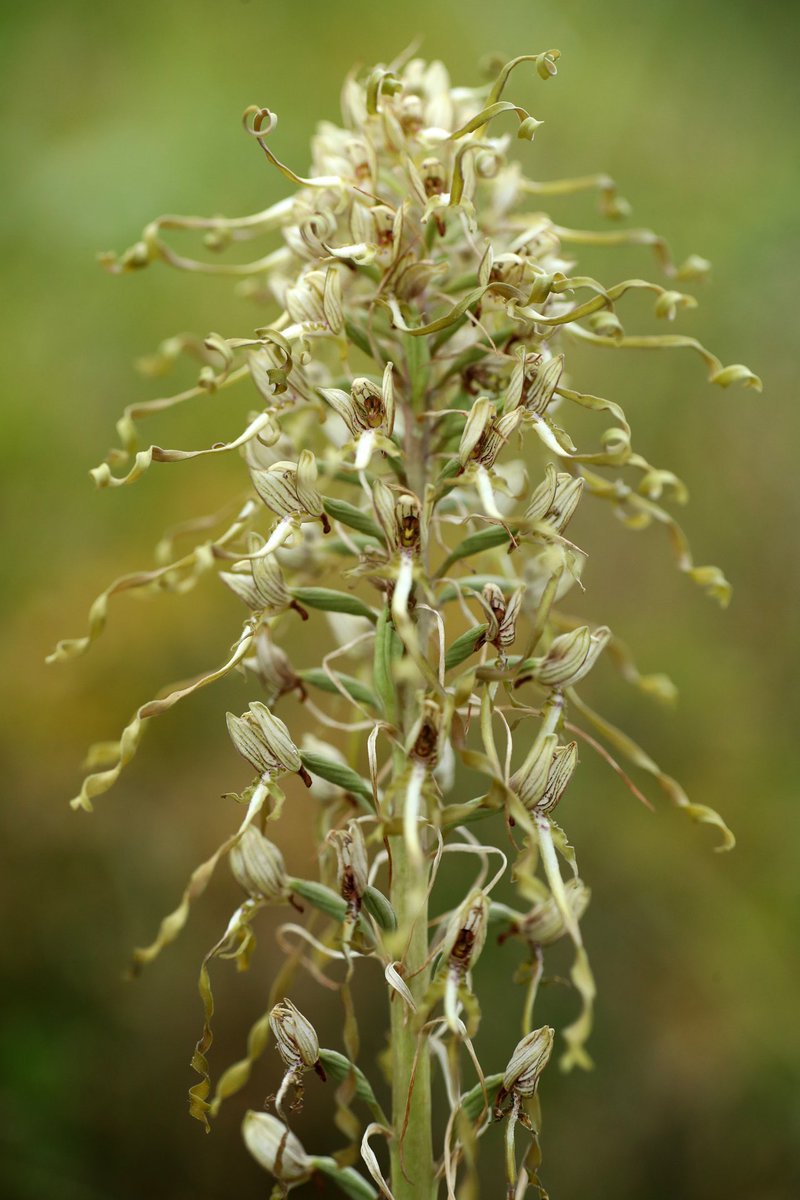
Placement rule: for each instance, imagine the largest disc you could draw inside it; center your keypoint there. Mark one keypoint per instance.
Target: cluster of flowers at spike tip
(415, 390)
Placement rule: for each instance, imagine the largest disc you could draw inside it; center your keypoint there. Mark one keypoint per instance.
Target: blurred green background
(114, 113)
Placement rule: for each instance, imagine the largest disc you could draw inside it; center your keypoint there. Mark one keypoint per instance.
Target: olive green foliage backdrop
(116, 112)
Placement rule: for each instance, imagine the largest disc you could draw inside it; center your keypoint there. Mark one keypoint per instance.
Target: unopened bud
(399, 517)
(528, 1061)
(295, 1036)
(259, 582)
(466, 934)
(562, 767)
(555, 499)
(288, 488)
(368, 402)
(494, 438)
(264, 741)
(304, 300)
(425, 744)
(257, 865)
(273, 668)
(383, 219)
(540, 382)
(530, 781)
(411, 113)
(434, 178)
(571, 656)
(275, 1148)
(544, 924)
(502, 616)
(352, 863)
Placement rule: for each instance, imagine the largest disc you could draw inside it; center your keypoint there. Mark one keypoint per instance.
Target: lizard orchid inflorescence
(409, 483)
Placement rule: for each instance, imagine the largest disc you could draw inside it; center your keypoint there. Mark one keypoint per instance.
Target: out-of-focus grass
(115, 113)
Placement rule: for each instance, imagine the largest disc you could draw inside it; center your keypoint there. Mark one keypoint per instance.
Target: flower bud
(383, 219)
(367, 407)
(466, 934)
(368, 402)
(478, 422)
(533, 384)
(562, 766)
(273, 668)
(494, 437)
(540, 382)
(411, 113)
(289, 488)
(544, 924)
(530, 781)
(295, 1036)
(434, 177)
(264, 741)
(275, 1148)
(259, 582)
(528, 1061)
(399, 517)
(352, 863)
(571, 656)
(425, 735)
(502, 616)
(304, 298)
(555, 499)
(257, 865)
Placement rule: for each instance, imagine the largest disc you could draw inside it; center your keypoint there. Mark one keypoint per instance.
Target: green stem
(415, 1155)
(412, 1150)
